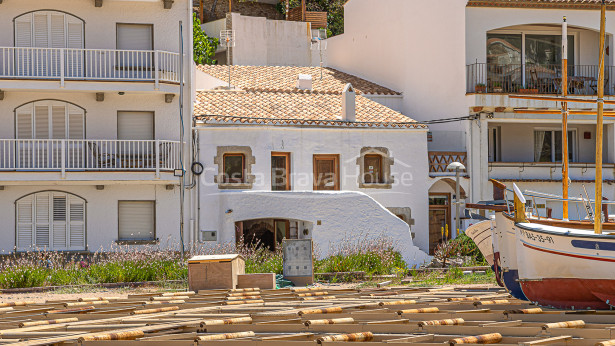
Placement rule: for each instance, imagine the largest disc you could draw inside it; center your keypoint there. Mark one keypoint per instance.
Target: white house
(89, 102)
(287, 154)
(467, 68)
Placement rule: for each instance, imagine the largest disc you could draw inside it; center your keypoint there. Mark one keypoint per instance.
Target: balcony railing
(88, 155)
(539, 79)
(88, 64)
(546, 171)
(438, 160)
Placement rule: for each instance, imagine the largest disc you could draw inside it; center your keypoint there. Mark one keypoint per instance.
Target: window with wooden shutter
(136, 221)
(51, 220)
(135, 125)
(50, 120)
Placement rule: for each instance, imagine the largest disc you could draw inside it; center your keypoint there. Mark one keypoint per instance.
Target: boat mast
(599, 126)
(564, 87)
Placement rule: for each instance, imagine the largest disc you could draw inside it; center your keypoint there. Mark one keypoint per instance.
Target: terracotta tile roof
(284, 78)
(571, 4)
(293, 108)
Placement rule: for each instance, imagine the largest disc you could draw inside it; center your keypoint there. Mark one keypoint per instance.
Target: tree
(204, 46)
(334, 9)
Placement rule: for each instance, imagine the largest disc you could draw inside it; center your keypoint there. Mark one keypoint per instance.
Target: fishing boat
(562, 263)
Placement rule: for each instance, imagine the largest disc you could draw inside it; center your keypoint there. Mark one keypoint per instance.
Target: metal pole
(181, 138)
(457, 199)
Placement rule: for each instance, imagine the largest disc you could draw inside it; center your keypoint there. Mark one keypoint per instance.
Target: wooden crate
(264, 281)
(214, 272)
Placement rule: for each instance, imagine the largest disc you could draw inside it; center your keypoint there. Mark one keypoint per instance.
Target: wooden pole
(303, 10)
(230, 6)
(201, 11)
(287, 8)
(565, 179)
(599, 126)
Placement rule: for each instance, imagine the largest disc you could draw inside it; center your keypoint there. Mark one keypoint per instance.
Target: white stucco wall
(266, 42)
(101, 211)
(407, 147)
(397, 45)
(344, 217)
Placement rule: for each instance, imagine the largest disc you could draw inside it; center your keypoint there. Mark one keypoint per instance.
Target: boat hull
(504, 235)
(566, 268)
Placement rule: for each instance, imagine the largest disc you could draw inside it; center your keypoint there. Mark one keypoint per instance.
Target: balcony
(85, 155)
(438, 160)
(547, 171)
(536, 79)
(68, 64)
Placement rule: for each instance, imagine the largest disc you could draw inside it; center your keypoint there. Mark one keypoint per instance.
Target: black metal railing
(536, 79)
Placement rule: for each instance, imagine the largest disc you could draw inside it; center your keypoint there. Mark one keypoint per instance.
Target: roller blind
(135, 125)
(137, 220)
(135, 37)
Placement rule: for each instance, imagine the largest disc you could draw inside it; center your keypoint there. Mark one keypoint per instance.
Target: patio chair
(101, 160)
(594, 83)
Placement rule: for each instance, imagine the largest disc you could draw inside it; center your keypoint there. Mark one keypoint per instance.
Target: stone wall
(246, 8)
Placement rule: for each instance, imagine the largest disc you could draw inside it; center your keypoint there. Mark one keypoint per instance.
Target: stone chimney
(349, 103)
(304, 82)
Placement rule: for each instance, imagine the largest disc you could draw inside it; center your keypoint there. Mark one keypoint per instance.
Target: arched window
(49, 119)
(49, 29)
(50, 220)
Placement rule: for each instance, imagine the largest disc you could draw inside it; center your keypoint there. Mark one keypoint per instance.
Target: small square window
(234, 168)
(373, 169)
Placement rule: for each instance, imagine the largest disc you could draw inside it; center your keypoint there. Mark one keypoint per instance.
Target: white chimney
(349, 104)
(304, 82)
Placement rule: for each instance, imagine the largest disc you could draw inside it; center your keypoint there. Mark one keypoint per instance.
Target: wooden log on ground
(317, 298)
(94, 302)
(332, 310)
(124, 335)
(313, 294)
(240, 302)
(174, 294)
(169, 298)
(365, 336)
(244, 298)
(22, 303)
(47, 322)
(492, 338)
(251, 289)
(329, 321)
(225, 336)
(492, 302)
(397, 302)
(565, 324)
(305, 289)
(79, 310)
(418, 311)
(153, 311)
(606, 343)
(524, 311)
(236, 320)
(463, 299)
(446, 322)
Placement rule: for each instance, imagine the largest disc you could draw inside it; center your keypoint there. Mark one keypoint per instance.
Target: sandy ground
(74, 294)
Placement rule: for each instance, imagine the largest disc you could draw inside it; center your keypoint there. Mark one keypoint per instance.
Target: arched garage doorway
(269, 232)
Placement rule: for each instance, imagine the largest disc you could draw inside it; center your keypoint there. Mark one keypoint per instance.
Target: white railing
(88, 64)
(88, 155)
(547, 171)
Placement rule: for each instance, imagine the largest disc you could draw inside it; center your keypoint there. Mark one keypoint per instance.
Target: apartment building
(287, 154)
(89, 102)
(466, 71)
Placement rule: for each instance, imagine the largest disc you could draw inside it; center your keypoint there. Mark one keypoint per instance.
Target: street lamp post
(457, 167)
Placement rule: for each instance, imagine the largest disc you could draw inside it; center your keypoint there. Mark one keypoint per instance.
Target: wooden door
(439, 218)
(326, 172)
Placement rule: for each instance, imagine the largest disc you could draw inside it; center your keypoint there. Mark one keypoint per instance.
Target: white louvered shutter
(41, 220)
(74, 41)
(25, 223)
(41, 59)
(24, 122)
(59, 221)
(137, 220)
(135, 125)
(58, 121)
(41, 121)
(76, 122)
(23, 38)
(77, 223)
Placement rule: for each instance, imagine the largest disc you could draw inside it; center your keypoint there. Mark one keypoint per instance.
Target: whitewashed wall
(101, 211)
(396, 44)
(407, 147)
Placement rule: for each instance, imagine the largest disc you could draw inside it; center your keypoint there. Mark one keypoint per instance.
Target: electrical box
(208, 235)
